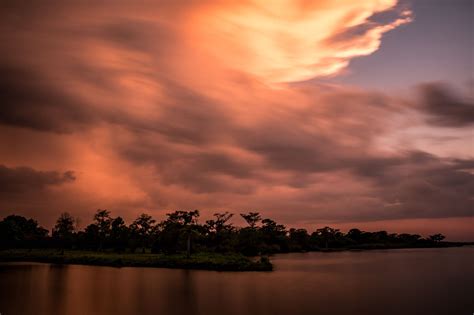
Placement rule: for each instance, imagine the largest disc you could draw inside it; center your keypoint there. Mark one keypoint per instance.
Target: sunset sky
(349, 113)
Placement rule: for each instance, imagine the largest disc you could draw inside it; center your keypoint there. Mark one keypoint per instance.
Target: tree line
(181, 232)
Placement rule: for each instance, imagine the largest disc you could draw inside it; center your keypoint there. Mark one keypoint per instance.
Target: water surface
(409, 281)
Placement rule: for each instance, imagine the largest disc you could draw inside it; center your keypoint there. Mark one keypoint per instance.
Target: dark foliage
(181, 233)
(17, 231)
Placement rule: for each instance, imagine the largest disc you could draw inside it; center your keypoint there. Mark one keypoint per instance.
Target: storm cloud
(25, 179)
(444, 107)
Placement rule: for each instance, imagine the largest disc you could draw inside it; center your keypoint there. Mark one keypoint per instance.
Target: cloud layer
(174, 105)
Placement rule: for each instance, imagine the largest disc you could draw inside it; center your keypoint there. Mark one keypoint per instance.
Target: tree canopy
(181, 231)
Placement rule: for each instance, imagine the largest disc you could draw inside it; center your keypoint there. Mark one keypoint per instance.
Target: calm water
(421, 281)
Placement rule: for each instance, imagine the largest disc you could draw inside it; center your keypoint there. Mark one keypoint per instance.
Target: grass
(203, 261)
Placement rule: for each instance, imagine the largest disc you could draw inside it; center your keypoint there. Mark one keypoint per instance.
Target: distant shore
(198, 261)
(201, 261)
(396, 246)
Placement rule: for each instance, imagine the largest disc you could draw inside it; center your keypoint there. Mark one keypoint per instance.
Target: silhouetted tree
(119, 234)
(142, 228)
(252, 218)
(180, 223)
(355, 235)
(249, 240)
(64, 230)
(180, 231)
(91, 236)
(299, 239)
(436, 237)
(408, 238)
(219, 223)
(326, 236)
(220, 233)
(102, 221)
(19, 231)
(379, 237)
(274, 236)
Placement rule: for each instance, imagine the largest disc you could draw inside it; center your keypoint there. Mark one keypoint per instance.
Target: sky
(436, 46)
(348, 113)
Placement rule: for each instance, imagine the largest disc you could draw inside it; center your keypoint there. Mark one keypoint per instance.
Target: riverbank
(202, 261)
(379, 246)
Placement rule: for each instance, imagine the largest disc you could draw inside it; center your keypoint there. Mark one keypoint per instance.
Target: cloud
(418, 184)
(291, 40)
(33, 101)
(25, 179)
(445, 108)
(95, 68)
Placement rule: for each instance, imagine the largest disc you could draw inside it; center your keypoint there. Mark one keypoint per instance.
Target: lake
(406, 281)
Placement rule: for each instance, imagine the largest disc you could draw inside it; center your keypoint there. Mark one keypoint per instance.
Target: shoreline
(364, 247)
(198, 261)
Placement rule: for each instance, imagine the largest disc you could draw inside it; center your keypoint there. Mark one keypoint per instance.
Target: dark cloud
(293, 147)
(25, 179)
(418, 184)
(190, 117)
(48, 79)
(135, 34)
(444, 107)
(31, 100)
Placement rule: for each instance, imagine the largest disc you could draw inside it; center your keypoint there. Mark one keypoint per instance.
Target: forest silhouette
(181, 233)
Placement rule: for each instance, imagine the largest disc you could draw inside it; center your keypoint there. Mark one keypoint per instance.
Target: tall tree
(102, 221)
(274, 235)
(437, 237)
(355, 234)
(252, 218)
(220, 232)
(179, 223)
(219, 222)
(64, 229)
(327, 235)
(118, 234)
(299, 239)
(143, 227)
(17, 230)
(250, 242)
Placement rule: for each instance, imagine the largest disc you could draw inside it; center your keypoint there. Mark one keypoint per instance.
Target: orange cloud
(287, 40)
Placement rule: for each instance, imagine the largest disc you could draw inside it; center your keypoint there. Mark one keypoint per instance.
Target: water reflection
(427, 281)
